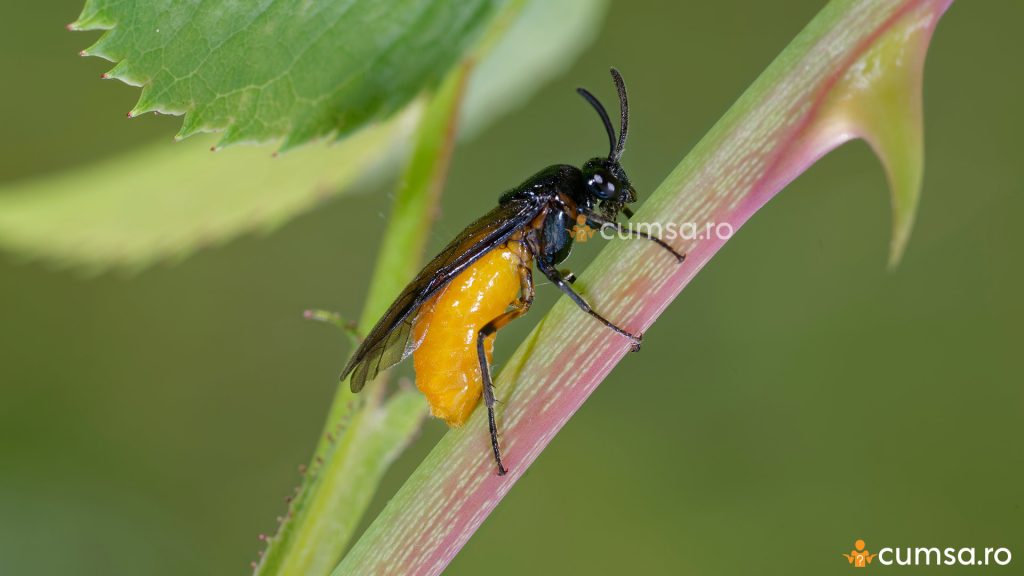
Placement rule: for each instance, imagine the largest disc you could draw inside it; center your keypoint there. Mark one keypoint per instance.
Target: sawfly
(446, 318)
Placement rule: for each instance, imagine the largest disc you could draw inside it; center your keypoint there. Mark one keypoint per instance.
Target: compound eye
(603, 186)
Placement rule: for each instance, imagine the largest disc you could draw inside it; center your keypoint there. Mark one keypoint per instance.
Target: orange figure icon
(581, 232)
(860, 557)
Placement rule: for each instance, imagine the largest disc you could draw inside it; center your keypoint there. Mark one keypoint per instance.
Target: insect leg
(602, 221)
(555, 276)
(518, 309)
(568, 275)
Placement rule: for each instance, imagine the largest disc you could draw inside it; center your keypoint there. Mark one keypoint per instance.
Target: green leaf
(167, 200)
(853, 72)
(294, 69)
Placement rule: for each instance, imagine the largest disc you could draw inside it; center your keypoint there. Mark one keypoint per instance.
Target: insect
(446, 318)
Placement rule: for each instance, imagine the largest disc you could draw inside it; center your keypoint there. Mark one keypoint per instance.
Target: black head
(607, 185)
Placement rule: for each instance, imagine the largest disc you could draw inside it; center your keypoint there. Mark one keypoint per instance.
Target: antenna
(604, 118)
(615, 146)
(620, 85)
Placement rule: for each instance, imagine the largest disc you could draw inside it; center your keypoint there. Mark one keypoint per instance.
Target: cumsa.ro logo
(861, 557)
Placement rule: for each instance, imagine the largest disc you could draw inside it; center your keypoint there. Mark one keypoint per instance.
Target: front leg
(556, 277)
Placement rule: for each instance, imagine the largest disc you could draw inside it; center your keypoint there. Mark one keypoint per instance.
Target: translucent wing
(387, 343)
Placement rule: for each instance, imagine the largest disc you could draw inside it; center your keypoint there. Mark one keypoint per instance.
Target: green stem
(365, 433)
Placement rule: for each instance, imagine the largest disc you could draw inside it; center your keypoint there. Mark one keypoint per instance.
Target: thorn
(106, 76)
(319, 460)
(131, 114)
(213, 148)
(83, 53)
(302, 469)
(70, 26)
(262, 537)
(287, 499)
(253, 564)
(259, 553)
(330, 437)
(280, 519)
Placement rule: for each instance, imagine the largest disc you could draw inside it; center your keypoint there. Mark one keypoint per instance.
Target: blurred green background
(796, 397)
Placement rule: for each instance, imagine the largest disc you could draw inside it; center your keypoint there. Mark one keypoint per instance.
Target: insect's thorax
(445, 331)
(546, 185)
(561, 191)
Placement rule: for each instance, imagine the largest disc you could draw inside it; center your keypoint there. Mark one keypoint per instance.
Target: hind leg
(518, 309)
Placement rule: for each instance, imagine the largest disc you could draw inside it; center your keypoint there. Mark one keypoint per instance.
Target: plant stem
(365, 433)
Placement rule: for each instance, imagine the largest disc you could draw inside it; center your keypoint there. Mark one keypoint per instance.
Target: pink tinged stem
(854, 72)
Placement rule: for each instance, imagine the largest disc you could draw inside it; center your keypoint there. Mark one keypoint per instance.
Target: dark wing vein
(388, 342)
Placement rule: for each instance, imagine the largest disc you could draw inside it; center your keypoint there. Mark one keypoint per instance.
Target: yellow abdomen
(446, 362)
